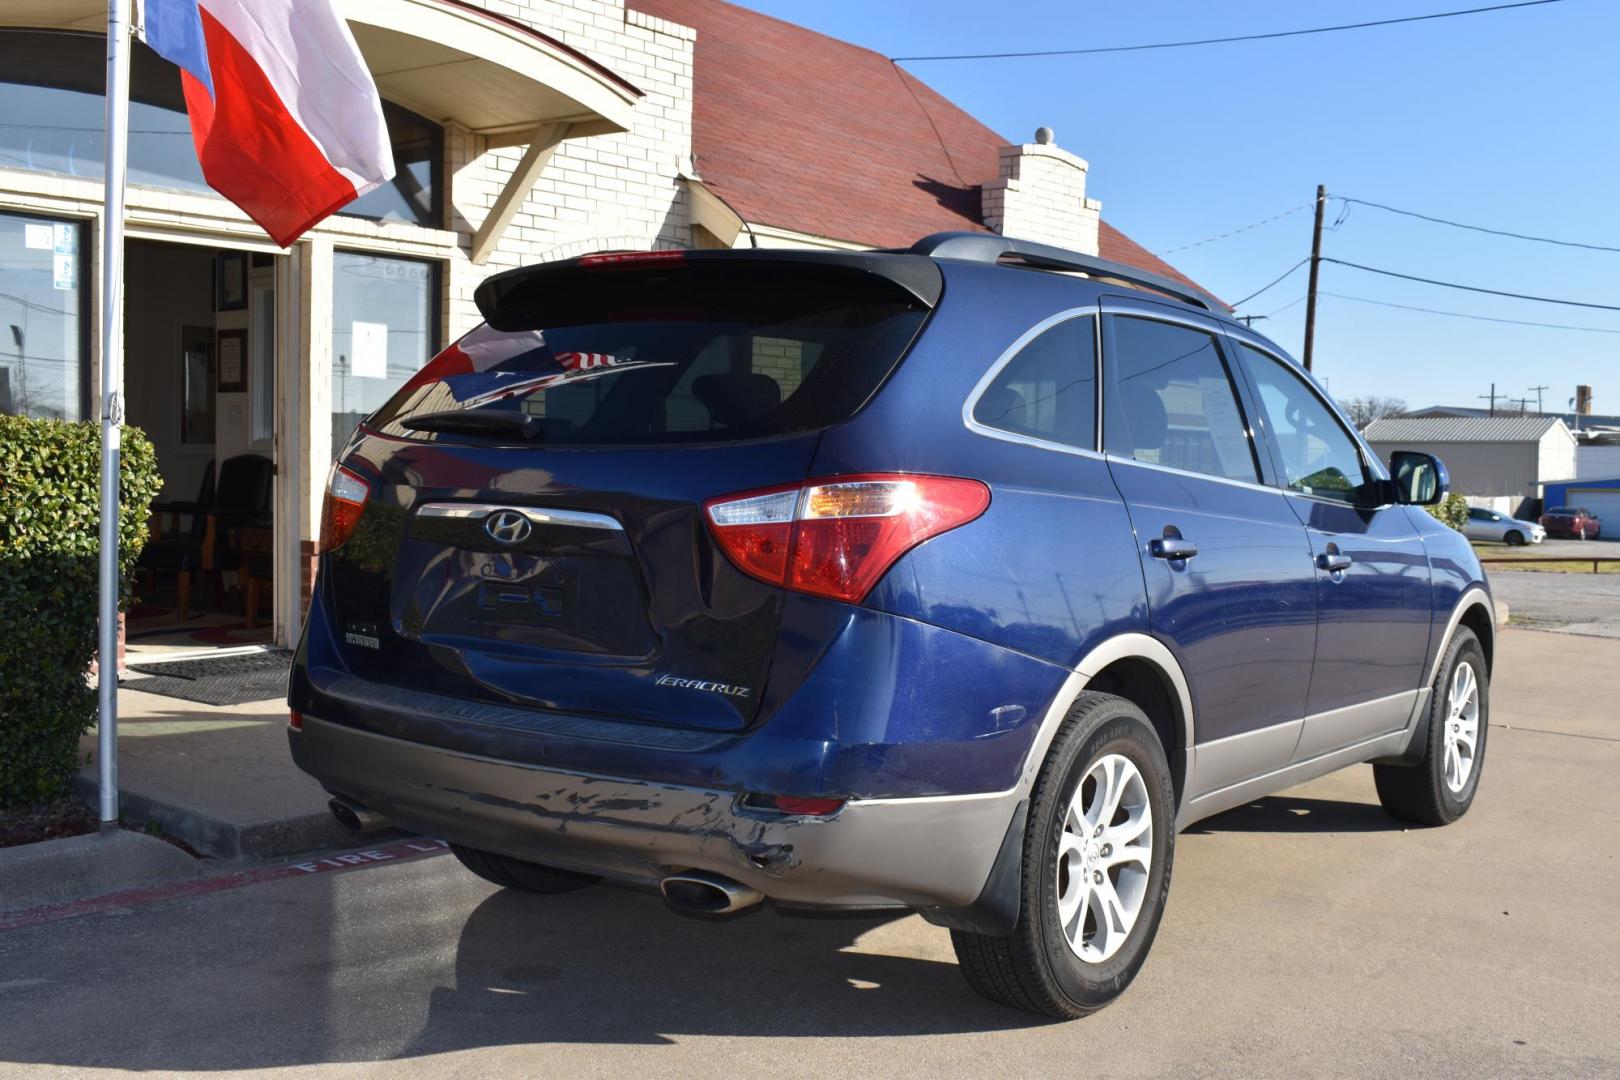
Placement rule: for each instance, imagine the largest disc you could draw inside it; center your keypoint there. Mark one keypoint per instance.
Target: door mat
(223, 680)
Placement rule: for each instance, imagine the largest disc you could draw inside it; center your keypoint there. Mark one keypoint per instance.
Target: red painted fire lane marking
(133, 898)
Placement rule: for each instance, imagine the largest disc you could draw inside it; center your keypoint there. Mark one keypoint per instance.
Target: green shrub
(50, 477)
(1452, 511)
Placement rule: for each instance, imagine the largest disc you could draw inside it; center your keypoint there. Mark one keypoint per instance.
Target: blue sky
(1508, 119)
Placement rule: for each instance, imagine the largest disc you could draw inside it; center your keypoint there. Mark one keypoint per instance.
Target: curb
(76, 867)
(231, 841)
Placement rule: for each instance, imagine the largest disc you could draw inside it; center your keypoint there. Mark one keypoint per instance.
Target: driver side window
(1319, 458)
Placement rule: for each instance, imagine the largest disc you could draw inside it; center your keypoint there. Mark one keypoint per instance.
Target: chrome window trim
(1270, 489)
(1006, 357)
(578, 519)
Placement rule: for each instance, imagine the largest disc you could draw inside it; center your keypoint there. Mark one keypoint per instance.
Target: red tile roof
(803, 131)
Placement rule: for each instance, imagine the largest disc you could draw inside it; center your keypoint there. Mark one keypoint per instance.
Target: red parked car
(1571, 522)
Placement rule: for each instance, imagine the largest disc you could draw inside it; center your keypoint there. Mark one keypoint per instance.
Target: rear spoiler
(504, 298)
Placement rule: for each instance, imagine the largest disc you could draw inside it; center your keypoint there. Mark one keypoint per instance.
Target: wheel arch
(1145, 672)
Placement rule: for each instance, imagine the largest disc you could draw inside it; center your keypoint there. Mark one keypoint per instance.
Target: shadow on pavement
(372, 966)
(1289, 814)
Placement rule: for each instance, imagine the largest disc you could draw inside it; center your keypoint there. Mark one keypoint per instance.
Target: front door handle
(1171, 547)
(1333, 562)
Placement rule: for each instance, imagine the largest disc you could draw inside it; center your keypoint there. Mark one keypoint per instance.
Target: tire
(510, 873)
(1035, 968)
(1426, 793)
(1514, 539)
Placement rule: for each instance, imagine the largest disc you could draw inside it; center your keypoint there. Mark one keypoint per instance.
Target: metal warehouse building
(1490, 456)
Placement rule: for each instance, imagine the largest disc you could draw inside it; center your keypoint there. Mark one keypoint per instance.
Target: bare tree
(1364, 410)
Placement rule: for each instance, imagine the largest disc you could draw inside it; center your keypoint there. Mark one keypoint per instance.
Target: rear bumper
(928, 852)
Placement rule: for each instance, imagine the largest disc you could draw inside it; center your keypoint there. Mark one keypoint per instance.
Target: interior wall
(166, 287)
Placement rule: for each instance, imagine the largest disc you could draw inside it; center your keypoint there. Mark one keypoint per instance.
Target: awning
(444, 59)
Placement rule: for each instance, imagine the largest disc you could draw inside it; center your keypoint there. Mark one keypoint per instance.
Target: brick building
(523, 131)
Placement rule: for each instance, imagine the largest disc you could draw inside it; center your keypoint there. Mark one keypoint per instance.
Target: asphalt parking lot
(1573, 603)
(1307, 934)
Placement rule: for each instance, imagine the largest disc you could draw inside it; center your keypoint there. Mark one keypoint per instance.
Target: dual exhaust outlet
(694, 892)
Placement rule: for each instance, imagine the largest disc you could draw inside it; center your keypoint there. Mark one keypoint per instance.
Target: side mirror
(1419, 479)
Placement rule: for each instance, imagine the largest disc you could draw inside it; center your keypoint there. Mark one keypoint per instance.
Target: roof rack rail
(991, 248)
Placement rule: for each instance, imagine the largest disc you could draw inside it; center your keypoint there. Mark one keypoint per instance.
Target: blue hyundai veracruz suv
(955, 579)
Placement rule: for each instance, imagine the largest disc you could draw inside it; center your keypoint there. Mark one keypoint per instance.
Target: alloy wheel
(1462, 727)
(1104, 854)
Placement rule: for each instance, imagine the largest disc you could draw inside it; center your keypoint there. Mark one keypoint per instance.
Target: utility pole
(1492, 398)
(1316, 264)
(1536, 390)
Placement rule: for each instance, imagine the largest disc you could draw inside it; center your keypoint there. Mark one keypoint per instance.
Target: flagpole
(112, 395)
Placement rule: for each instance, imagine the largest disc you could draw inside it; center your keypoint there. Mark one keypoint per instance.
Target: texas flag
(285, 116)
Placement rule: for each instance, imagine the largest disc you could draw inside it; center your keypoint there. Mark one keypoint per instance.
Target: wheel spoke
(1095, 914)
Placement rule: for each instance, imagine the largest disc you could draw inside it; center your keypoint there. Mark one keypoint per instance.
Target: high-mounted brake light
(627, 260)
(836, 537)
(346, 495)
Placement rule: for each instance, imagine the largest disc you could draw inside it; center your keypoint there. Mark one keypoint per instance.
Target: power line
(1467, 315)
(1234, 232)
(1468, 288)
(1228, 40)
(1279, 280)
(1479, 228)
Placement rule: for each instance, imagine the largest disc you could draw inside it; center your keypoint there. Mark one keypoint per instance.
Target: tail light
(837, 537)
(346, 494)
(295, 720)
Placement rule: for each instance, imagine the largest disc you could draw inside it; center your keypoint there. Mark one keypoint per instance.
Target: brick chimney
(1041, 195)
(1583, 400)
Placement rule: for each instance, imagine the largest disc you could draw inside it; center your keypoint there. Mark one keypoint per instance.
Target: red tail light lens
(837, 537)
(346, 495)
(295, 720)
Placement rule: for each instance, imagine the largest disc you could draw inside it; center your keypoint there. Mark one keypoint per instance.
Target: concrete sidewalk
(218, 777)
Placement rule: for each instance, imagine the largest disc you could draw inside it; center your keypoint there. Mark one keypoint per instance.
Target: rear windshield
(706, 352)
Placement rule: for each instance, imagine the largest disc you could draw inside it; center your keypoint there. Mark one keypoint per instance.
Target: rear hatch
(533, 533)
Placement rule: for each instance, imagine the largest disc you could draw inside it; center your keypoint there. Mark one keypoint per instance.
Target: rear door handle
(1333, 562)
(1171, 547)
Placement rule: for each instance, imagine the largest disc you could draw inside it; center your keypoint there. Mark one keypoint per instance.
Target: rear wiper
(477, 422)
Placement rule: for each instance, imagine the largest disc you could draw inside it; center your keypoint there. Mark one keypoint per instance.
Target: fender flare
(1417, 731)
(1129, 646)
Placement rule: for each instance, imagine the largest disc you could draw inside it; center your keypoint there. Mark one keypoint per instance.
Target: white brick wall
(1041, 195)
(606, 191)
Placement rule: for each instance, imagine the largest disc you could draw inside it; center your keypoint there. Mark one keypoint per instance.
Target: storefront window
(52, 117)
(42, 331)
(383, 330)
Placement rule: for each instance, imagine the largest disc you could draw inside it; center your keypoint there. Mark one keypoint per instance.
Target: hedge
(1452, 511)
(50, 481)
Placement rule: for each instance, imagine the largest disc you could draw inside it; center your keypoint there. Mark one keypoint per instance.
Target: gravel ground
(1569, 603)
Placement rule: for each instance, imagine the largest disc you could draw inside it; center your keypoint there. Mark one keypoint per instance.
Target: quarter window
(1049, 390)
(1171, 402)
(1318, 457)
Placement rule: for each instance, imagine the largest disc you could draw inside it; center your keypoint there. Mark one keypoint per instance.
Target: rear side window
(1048, 391)
(688, 354)
(1170, 401)
(1317, 455)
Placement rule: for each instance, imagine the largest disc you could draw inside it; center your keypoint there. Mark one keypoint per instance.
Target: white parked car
(1489, 525)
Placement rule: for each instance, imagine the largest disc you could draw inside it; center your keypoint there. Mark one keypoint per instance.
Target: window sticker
(65, 239)
(368, 358)
(39, 237)
(64, 272)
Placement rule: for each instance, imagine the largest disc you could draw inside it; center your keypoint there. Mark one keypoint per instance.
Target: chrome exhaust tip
(699, 893)
(355, 817)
